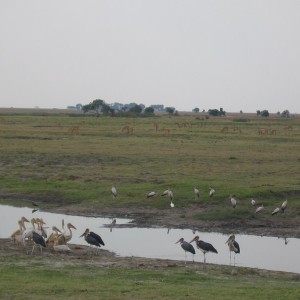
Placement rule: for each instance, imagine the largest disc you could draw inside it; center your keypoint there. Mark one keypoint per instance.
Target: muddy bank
(183, 218)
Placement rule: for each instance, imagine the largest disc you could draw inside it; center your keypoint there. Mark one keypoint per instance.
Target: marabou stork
(211, 192)
(203, 246)
(38, 240)
(197, 193)
(253, 202)
(275, 211)
(114, 191)
(187, 247)
(233, 246)
(92, 238)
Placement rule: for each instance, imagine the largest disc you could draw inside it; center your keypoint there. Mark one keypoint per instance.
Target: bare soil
(173, 218)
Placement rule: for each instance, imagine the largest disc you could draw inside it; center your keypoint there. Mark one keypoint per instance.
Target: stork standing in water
(38, 240)
(233, 246)
(114, 191)
(92, 238)
(187, 247)
(204, 247)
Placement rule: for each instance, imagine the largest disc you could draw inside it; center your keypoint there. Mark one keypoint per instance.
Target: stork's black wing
(38, 239)
(207, 247)
(97, 238)
(188, 247)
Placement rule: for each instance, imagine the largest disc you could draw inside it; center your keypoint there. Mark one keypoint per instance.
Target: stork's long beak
(178, 241)
(192, 240)
(83, 234)
(72, 226)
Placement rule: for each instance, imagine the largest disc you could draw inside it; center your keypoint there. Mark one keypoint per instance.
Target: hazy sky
(235, 54)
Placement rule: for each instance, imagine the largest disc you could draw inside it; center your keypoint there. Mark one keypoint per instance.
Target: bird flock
(58, 240)
(36, 236)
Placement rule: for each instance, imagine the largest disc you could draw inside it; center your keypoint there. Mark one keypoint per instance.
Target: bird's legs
(185, 257)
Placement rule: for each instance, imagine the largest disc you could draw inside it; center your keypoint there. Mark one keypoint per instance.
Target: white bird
(114, 191)
(197, 193)
(233, 201)
(276, 211)
(165, 193)
(211, 192)
(151, 194)
(253, 202)
(260, 208)
(170, 194)
(172, 204)
(61, 248)
(284, 205)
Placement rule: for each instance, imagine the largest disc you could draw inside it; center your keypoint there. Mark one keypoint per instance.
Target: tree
(216, 112)
(149, 110)
(258, 112)
(196, 110)
(98, 106)
(137, 109)
(170, 110)
(264, 113)
(285, 114)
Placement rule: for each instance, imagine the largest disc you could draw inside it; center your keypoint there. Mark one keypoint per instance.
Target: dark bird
(233, 246)
(34, 210)
(203, 246)
(38, 240)
(92, 238)
(187, 247)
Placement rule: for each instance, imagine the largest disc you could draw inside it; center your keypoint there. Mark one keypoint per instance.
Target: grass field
(73, 158)
(28, 277)
(60, 158)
